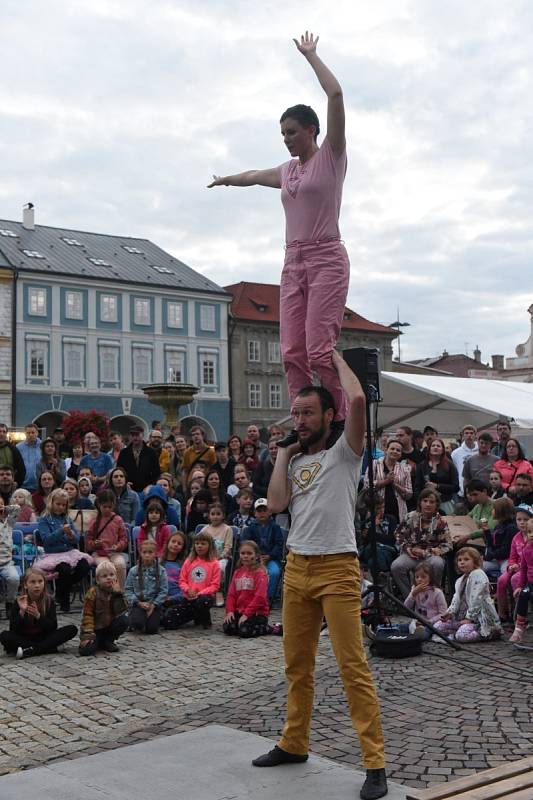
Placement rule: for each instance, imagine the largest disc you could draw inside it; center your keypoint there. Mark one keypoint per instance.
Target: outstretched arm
(355, 424)
(328, 81)
(253, 177)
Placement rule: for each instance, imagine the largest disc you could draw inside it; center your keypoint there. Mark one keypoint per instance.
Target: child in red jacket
(106, 536)
(200, 578)
(247, 600)
(155, 528)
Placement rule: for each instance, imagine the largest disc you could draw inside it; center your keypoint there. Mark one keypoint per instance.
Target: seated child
(425, 598)
(104, 616)
(245, 514)
(106, 536)
(511, 576)
(498, 540)
(268, 537)
(524, 592)
(146, 590)
(387, 550)
(247, 600)
(75, 500)
(8, 571)
(33, 627)
(422, 536)
(471, 615)
(85, 487)
(222, 535)
(175, 608)
(200, 579)
(60, 540)
(154, 527)
(496, 488)
(22, 498)
(199, 510)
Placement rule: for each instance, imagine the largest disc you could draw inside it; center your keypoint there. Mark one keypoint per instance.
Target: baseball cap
(526, 508)
(261, 502)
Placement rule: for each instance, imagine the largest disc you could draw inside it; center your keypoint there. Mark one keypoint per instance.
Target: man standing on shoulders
(467, 449)
(140, 461)
(322, 577)
(30, 450)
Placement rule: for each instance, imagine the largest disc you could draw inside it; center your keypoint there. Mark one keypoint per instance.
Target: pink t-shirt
(311, 194)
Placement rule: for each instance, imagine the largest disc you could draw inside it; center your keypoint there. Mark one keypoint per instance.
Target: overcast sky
(115, 113)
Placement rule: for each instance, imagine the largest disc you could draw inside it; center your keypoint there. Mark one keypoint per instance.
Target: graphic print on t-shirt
(305, 474)
(198, 574)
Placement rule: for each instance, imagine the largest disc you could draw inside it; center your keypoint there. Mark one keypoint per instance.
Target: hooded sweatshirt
(248, 592)
(172, 517)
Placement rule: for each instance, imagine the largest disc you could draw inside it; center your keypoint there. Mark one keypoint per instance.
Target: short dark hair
(526, 476)
(197, 428)
(221, 446)
(406, 429)
(305, 115)
(7, 468)
(430, 429)
(325, 397)
(476, 485)
(485, 437)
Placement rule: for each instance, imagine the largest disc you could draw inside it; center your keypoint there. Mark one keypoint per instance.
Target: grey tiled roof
(67, 259)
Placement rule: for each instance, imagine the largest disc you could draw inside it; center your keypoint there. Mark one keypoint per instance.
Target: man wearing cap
(140, 461)
(64, 450)
(322, 576)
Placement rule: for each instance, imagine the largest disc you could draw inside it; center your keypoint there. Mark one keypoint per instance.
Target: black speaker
(364, 362)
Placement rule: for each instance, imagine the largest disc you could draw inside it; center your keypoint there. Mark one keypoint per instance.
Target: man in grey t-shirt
(322, 577)
(481, 463)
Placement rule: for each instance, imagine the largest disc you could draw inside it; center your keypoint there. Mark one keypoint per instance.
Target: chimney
(445, 353)
(498, 362)
(28, 217)
(477, 354)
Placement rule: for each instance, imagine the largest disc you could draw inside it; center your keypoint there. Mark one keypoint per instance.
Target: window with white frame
(175, 364)
(73, 305)
(274, 395)
(37, 358)
(142, 366)
(274, 353)
(254, 395)
(141, 311)
(209, 370)
(109, 308)
(109, 360)
(254, 350)
(37, 301)
(74, 361)
(207, 318)
(174, 315)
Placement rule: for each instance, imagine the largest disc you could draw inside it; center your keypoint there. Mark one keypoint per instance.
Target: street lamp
(399, 325)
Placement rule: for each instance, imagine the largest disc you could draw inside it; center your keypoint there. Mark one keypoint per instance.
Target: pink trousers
(313, 291)
(502, 590)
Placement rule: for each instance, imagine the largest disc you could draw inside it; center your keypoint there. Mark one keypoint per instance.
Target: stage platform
(209, 763)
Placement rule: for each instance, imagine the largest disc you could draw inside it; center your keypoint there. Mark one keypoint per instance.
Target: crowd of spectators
(89, 503)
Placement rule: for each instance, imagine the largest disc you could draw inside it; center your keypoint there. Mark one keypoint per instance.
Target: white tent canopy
(449, 403)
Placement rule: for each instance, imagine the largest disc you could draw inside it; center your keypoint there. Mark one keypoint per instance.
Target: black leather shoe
(278, 756)
(111, 647)
(375, 785)
(290, 438)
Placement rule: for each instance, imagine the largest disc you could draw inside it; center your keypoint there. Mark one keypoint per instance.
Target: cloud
(114, 116)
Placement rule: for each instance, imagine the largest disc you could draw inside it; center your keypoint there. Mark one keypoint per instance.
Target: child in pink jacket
(247, 601)
(200, 578)
(106, 536)
(512, 574)
(525, 590)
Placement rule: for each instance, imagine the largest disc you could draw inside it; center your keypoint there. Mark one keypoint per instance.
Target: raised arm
(355, 425)
(336, 118)
(253, 177)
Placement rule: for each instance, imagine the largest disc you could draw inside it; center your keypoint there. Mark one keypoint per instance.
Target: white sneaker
(19, 654)
(516, 635)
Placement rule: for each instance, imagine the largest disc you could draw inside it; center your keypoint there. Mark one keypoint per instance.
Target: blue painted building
(98, 317)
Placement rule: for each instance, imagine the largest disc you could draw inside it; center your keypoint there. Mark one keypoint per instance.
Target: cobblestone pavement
(442, 718)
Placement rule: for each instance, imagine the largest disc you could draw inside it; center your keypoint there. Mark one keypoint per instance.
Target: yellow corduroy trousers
(327, 586)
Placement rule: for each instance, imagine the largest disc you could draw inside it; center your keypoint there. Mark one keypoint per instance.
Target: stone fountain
(170, 396)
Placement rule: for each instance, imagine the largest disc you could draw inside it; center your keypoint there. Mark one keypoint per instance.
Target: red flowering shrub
(81, 422)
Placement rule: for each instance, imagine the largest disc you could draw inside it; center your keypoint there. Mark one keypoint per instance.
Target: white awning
(449, 403)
